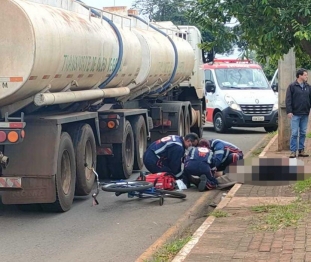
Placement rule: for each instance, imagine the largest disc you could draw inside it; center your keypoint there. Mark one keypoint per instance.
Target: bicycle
(140, 189)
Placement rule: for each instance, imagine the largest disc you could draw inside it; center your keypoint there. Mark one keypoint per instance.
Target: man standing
(166, 154)
(298, 104)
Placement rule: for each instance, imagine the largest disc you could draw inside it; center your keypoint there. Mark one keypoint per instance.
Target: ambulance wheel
(270, 129)
(219, 123)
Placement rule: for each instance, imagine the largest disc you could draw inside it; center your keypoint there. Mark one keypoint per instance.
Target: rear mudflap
(27, 190)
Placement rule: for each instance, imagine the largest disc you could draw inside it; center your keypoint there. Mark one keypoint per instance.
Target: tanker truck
(82, 85)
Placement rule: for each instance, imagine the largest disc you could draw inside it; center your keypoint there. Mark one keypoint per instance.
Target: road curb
(185, 251)
(186, 220)
(267, 147)
(256, 146)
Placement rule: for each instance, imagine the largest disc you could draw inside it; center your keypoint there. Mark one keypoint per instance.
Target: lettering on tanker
(101, 64)
(88, 63)
(112, 64)
(94, 60)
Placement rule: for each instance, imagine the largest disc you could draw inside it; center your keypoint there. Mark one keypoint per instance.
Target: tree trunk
(306, 45)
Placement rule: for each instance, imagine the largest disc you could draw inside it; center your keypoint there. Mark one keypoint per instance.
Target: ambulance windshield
(241, 78)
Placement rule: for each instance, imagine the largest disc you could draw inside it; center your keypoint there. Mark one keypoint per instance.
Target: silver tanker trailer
(82, 85)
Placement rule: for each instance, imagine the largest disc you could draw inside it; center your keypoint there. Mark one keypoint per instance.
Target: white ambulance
(238, 94)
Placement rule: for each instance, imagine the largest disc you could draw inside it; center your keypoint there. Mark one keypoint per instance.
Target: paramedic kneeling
(165, 154)
(224, 154)
(197, 164)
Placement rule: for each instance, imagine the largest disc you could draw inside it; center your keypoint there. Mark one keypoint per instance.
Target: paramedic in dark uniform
(166, 154)
(196, 163)
(224, 154)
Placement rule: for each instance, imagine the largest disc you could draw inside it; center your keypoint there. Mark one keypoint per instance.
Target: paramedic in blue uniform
(196, 163)
(166, 154)
(224, 154)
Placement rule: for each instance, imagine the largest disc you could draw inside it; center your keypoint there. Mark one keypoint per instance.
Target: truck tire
(187, 122)
(150, 123)
(199, 129)
(140, 141)
(219, 123)
(181, 123)
(85, 150)
(65, 178)
(121, 164)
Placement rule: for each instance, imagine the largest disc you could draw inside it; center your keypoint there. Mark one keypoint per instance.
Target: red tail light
(2, 136)
(16, 125)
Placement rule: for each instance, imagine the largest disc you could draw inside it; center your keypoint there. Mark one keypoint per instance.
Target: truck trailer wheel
(140, 141)
(199, 128)
(85, 150)
(187, 122)
(181, 123)
(121, 164)
(65, 178)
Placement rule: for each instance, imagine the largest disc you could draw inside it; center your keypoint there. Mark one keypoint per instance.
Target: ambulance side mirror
(275, 87)
(210, 87)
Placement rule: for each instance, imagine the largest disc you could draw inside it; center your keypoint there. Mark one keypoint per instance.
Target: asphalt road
(118, 229)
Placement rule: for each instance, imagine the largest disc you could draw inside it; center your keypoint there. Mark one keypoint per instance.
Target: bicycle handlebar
(94, 195)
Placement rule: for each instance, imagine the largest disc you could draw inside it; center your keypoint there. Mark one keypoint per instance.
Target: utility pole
(286, 75)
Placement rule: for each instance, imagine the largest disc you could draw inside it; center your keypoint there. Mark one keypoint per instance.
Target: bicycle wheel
(126, 187)
(172, 194)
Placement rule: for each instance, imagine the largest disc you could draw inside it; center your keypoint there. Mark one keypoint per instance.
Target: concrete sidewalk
(233, 237)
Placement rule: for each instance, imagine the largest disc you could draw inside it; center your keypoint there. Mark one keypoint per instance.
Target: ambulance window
(209, 76)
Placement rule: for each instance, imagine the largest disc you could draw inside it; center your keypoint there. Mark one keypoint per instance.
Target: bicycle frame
(149, 192)
(94, 195)
(130, 194)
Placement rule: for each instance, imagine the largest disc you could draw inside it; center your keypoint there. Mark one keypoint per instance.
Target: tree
(164, 10)
(176, 11)
(270, 27)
